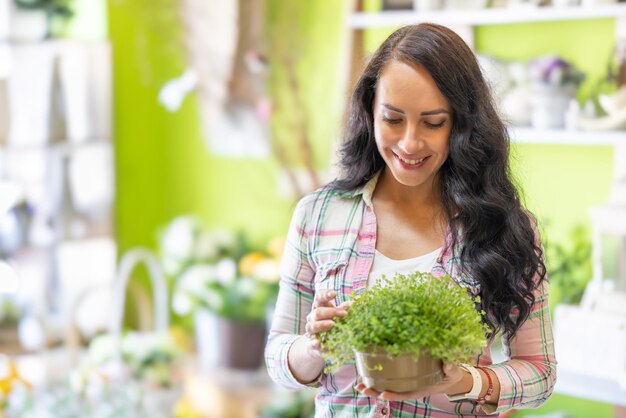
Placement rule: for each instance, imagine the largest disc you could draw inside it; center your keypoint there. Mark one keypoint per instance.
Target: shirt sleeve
(528, 378)
(295, 299)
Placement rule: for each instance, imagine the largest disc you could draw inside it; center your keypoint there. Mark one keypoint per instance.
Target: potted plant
(226, 286)
(401, 331)
(554, 83)
(10, 314)
(34, 20)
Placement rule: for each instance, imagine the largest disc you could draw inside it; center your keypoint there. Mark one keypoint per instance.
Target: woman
(425, 186)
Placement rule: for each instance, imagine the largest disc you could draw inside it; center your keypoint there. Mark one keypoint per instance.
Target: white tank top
(384, 265)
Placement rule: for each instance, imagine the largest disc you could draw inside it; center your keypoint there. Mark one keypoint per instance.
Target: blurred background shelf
(504, 16)
(566, 137)
(588, 387)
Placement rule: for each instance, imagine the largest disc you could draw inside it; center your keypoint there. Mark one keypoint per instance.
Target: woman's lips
(412, 164)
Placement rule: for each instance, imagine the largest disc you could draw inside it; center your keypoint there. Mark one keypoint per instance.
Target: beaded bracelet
(483, 399)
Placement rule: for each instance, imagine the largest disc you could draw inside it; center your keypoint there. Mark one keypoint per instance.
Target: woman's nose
(412, 141)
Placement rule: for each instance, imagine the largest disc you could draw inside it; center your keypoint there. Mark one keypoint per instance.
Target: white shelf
(484, 16)
(577, 385)
(64, 146)
(589, 387)
(566, 137)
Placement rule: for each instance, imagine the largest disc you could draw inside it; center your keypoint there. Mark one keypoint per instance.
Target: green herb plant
(409, 314)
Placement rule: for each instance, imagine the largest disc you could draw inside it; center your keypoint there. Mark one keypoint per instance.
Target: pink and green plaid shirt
(330, 246)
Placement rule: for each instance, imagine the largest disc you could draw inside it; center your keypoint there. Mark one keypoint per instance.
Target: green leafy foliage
(569, 266)
(411, 313)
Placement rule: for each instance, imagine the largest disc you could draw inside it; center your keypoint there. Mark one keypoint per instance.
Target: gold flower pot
(403, 373)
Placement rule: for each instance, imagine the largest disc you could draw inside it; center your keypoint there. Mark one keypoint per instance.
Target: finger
(451, 372)
(448, 369)
(371, 393)
(327, 313)
(319, 326)
(315, 344)
(346, 304)
(324, 298)
(313, 348)
(400, 396)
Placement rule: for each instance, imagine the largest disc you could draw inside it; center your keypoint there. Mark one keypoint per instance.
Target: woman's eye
(391, 121)
(434, 125)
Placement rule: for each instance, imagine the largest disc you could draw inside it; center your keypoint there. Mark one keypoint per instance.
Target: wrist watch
(477, 386)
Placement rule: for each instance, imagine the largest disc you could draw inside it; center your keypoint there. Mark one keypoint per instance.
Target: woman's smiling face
(412, 124)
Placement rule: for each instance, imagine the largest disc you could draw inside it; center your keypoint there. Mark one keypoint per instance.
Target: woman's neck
(390, 190)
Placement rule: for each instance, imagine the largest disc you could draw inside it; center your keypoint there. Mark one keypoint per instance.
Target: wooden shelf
(484, 16)
(566, 137)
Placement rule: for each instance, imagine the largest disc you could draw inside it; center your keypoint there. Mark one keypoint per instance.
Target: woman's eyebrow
(426, 113)
(393, 108)
(434, 112)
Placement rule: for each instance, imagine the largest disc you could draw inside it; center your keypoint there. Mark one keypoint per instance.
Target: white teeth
(412, 162)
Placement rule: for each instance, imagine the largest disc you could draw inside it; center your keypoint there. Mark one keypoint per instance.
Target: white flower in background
(225, 240)
(213, 299)
(246, 286)
(206, 247)
(171, 266)
(182, 303)
(267, 271)
(226, 271)
(195, 278)
(79, 378)
(103, 348)
(178, 239)
(136, 346)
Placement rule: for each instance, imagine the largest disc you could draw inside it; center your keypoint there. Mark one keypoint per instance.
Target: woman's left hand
(452, 375)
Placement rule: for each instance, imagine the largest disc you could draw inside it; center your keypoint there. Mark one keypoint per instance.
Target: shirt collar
(367, 190)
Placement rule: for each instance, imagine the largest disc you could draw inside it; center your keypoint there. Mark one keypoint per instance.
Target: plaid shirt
(330, 245)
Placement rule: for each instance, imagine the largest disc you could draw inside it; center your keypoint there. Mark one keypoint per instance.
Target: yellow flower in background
(267, 271)
(276, 247)
(180, 338)
(248, 263)
(11, 378)
(184, 409)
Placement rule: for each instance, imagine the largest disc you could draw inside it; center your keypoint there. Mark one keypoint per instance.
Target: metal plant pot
(227, 343)
(404, 373)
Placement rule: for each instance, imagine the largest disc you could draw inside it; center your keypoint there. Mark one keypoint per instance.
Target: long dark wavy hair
(499, 244)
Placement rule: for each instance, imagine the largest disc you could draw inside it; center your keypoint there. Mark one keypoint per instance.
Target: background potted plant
(401, 331)
(33, 20)
(553, 84)
(9, 319)
(226, 286)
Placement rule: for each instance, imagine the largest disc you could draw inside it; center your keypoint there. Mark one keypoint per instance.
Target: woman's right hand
(320, 319)
(305, 358)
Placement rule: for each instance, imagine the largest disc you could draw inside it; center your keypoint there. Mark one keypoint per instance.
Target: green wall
(163, 165)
